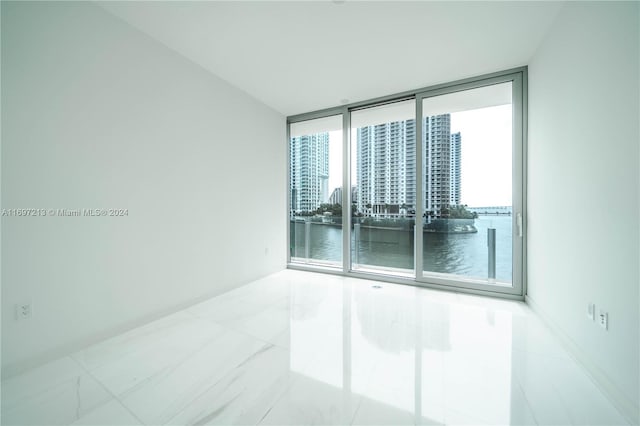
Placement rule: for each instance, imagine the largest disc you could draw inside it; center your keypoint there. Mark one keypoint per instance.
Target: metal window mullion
(524, 113)
(418, 235)
(288, 197)
(518, 179)
(346, 191)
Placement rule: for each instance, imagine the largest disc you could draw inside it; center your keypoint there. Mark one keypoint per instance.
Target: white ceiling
(303, 56)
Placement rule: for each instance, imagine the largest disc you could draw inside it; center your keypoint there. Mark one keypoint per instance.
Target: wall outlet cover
(604, 319)
(23, 310)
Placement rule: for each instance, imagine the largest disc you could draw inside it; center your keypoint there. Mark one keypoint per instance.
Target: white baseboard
(627, 407)
(28, 363)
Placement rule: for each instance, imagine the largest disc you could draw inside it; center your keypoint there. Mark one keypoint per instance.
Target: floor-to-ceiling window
(435, 186)
(468, 169)
(315, 191)
(383, 164)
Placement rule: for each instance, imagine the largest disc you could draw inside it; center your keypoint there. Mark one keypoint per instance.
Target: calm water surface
(460, 254)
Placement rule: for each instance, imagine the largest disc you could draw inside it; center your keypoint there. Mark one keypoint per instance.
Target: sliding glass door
(467, 180)
(434, 186)
(383, 164)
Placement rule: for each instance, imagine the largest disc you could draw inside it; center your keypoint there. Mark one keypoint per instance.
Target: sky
(485, 156)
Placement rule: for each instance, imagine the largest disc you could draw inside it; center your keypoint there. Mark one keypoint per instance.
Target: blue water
(459, 254)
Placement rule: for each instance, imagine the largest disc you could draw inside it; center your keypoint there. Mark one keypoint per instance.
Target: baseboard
(68, 348)
(28, 363)
(627, 407)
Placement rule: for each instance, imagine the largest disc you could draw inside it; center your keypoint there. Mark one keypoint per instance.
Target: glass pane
(315, 191)
(467, 175)
(384, 194)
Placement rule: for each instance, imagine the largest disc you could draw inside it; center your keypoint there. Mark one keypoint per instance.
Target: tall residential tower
(309, 171)
(437, 163)
(386, 163)
(386, 167)
(456, 141)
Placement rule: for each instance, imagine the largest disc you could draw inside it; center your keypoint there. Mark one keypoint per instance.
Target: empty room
(320, 212)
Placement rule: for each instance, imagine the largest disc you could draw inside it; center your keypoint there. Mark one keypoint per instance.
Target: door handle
(519, 224)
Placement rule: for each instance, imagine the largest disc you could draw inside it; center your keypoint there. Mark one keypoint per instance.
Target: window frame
(518, 78)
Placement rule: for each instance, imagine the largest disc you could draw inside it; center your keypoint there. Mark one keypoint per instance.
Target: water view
(465, 152)
(464, 254)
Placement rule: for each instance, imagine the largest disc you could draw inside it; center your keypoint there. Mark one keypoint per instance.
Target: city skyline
(477, 162)
(485, 165)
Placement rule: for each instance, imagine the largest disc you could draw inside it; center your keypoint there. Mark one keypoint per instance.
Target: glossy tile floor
(302, 348)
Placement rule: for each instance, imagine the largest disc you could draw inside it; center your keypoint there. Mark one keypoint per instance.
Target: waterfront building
(437, 163)
(336, 196)
(309, 171)
(455, 150)
(385, 167)
(386, 181)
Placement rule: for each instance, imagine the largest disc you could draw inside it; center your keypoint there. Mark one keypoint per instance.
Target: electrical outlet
(604, 319)
(23, 311)
(591, 311)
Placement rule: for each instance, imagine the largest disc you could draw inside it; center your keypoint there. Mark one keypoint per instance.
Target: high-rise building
(336, 196)
(385, 167)
(309, 171)
(437, 163)
(456, 147)
(386, 162)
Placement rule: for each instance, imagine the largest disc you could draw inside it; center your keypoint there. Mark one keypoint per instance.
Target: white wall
(584, 188)
(97, 115)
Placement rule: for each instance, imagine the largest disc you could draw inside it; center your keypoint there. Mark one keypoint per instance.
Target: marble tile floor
(299, 348)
